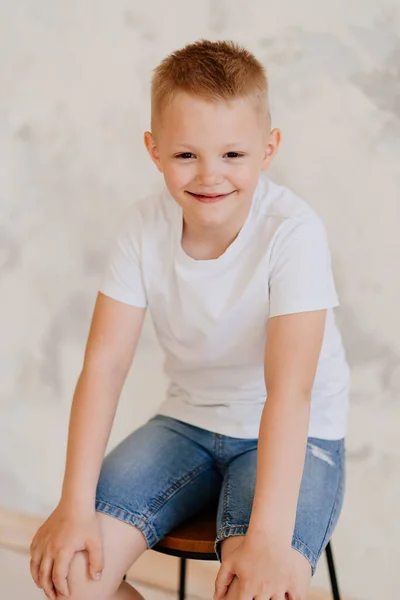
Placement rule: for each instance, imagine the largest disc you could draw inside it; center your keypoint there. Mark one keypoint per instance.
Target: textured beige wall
(74, 79)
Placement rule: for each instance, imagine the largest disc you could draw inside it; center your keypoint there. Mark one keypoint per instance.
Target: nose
(208, 173)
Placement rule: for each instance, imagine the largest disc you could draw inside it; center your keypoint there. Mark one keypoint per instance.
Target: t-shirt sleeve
(301, 277)
(123, 277)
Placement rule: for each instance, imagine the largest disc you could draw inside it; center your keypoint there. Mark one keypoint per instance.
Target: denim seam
(301, 547)
(233, 530)
(226, 500)
(130, 518)
(157, 503)
(223, 530)
(335, 505)
(218, 450)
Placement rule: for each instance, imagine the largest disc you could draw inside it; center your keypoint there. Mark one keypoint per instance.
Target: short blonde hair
(215, 71)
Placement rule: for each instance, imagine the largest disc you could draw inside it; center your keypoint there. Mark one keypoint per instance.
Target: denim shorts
(166, 471)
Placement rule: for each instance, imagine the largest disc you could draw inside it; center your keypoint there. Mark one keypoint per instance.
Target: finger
(34, 567)
(45, 572)
(246, 591)
(36, 554)
(224, 579)
(60, 571)
(96, 559)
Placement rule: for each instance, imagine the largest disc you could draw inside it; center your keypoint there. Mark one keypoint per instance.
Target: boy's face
(211, 155)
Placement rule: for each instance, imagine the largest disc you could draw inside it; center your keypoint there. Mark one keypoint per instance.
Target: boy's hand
(263, 571)
(55, 544)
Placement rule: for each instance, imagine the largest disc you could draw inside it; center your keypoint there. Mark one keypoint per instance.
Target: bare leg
(122, 546)
(127, 592)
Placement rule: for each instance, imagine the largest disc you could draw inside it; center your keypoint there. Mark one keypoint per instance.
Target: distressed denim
(166, 471)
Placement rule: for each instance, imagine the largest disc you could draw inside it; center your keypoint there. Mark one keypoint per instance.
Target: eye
(234, 154)
(184, 155)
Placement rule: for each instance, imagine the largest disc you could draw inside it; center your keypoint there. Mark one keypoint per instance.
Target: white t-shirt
(211, 316)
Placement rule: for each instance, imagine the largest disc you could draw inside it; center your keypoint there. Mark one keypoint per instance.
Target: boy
(236, 273)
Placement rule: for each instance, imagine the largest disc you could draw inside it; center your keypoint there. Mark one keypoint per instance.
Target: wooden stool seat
(193, 538)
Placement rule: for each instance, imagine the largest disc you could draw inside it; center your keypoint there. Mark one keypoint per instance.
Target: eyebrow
(229, 145)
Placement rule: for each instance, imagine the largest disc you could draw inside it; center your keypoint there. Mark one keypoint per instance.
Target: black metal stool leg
(332, 572)
(182, 579)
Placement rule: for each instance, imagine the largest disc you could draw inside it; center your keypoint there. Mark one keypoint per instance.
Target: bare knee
(83, 587)
(122, 546)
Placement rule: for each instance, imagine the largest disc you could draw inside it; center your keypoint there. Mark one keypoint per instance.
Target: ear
(271, 149)
(152, 150)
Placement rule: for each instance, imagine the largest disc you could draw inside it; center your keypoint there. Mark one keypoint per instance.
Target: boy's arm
(291, 358)
(110, 348)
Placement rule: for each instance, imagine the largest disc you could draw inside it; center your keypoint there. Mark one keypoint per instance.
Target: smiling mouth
(210, 197)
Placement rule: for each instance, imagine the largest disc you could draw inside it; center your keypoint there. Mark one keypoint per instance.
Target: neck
(206, 242)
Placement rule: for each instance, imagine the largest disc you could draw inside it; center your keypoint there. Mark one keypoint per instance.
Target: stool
(195, 539)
